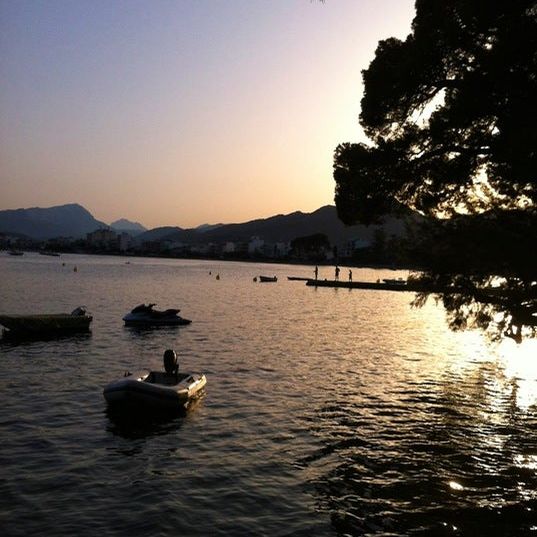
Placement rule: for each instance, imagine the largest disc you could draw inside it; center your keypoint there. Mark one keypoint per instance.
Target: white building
(255, 246)
(124, 242)
(229, 248)
(102, 237)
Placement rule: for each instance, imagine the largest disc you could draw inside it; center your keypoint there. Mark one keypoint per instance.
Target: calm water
(327, 412)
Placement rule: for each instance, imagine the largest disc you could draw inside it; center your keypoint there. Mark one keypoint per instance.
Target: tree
(311, 246)
(451, 115)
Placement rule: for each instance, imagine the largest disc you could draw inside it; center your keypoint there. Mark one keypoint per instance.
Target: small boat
(298, 278)
(394, 281)
(52, 254)
(168, 390)
(77, 320)
(145, 315)
(15, 252)
(268, 279)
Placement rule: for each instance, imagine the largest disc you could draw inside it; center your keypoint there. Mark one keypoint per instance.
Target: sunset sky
(182, 112)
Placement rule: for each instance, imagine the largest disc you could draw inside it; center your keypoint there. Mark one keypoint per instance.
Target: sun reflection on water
(520, 366)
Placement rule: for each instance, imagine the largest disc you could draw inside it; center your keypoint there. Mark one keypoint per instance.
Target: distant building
(151, 247)
(173, 245)
(201, 249)
(255, 246)
(59, 242)
(241, 249)
(276, 250)
(282, 249)
(102, 238)
(124, 242)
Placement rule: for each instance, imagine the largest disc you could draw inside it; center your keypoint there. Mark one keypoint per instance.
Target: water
(327, 412)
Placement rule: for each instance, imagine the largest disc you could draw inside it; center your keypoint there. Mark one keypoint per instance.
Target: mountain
(70, 220)
(283, 228)
(124, 225)
(159, 233)
(75, 221)
(207, 227)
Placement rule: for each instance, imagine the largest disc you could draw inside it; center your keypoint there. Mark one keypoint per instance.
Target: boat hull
(133, 319)
(45, 324)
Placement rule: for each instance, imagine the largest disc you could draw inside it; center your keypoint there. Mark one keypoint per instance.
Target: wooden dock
(413, 287)
(409, 286)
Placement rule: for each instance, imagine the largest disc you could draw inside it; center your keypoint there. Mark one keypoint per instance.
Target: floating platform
(379, 286)
(408, 286)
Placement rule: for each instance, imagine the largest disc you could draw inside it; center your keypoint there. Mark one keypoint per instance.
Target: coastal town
(109, 242)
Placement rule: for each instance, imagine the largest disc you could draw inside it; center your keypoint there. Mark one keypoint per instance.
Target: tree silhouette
(451, 114)
(311, 246)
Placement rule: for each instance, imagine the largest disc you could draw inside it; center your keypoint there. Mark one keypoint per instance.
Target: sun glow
(520, 362)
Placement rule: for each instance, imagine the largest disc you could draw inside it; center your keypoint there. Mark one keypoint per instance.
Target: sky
(183, 112)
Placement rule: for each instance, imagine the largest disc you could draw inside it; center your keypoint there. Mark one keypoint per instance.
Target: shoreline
(345, 262)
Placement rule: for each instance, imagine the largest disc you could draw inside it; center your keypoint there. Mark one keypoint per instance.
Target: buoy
(218, 276)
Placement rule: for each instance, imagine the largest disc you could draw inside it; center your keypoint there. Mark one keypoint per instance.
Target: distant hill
(70, 220)
(298, 224)
(283, 228)
(159, 233)
(124, 225)
(75, 221)
(207, 227)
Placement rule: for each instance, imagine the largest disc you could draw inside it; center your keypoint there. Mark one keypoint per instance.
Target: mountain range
(279, 228)
(70, 220)
(127, 226)
(75, 221)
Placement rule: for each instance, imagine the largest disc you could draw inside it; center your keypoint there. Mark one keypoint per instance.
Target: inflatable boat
(156, 389)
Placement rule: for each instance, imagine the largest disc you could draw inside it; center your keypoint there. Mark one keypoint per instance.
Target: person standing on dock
(316, 271)
(350, 275)
(337, 273)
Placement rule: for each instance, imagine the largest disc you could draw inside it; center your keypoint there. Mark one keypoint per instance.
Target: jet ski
(145, 315)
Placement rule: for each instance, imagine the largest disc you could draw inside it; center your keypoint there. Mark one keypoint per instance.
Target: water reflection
(13, 339)
(520, 365)
(147, 331)
(344, 408)
(437, 442)
(135, 423)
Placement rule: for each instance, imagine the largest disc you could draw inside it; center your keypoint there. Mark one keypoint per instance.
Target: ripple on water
(326, 413)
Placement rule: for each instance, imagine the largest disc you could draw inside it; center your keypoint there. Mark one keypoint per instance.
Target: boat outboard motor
(171, 364)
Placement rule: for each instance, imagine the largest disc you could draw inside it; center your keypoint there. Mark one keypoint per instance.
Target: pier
(413, 287)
